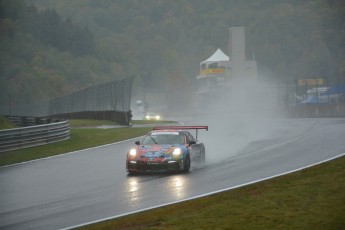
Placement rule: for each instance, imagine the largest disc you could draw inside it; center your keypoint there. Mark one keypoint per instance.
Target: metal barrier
(23, 121)
(18, 138)
(317, 110)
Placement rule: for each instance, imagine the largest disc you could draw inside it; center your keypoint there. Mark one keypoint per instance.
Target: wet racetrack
(89, 185)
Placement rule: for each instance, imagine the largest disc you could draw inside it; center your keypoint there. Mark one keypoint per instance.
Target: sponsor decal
(311, 81)
(212, 71)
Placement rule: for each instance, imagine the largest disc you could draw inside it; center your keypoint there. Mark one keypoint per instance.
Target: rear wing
(183, 127)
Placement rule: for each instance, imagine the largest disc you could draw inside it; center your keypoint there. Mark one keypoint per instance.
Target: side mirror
(137, 142)
(192, 142)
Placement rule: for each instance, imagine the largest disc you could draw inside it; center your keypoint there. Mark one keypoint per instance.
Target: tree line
(50, 48)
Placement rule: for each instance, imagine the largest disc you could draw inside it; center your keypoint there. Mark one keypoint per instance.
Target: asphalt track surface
(86, 186)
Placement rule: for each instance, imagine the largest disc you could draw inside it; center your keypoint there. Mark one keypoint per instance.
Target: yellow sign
(302, 82)
(212, 71)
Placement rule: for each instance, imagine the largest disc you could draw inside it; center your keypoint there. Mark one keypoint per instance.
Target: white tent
(218, 56)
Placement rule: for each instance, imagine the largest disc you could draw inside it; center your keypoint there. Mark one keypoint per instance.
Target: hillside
(50, 48)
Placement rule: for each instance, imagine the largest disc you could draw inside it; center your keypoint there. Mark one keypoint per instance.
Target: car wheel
(202, 157)
(186, 165)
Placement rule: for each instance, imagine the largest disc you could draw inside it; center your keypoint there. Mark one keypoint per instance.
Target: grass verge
(5, 123)
(153, 122)
(80, 123)
(83, 135)
(313, 198)
(79, 139)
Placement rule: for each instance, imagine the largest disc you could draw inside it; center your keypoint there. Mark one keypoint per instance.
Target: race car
(165, 149)
(152, 116)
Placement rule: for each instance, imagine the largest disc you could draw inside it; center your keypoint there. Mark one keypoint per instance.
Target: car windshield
(163, 138)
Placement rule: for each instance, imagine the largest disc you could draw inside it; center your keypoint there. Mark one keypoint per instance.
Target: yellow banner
(212, 71)
(311, 82)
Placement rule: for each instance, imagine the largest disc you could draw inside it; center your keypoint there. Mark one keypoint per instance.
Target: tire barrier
(24, 137)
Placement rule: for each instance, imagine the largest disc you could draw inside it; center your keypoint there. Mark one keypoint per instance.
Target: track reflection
(133, 186)
(177, 186)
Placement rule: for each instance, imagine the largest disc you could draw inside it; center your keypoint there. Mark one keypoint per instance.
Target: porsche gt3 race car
(166, 148)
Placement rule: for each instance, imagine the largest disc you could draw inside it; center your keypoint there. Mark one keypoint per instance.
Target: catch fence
(109, 101)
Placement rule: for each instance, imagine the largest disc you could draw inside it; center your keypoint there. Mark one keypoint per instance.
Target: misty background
(53, 48)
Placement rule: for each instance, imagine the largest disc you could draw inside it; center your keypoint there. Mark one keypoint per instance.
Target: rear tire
(203, 156)
(186, 164)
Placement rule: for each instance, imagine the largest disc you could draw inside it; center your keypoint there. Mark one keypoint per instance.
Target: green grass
(75, 123)
(84, 134)
(5, 123)
(79, 139)
(144, 122)
(313, 198)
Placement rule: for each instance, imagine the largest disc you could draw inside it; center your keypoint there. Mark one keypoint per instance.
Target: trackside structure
(221, 74)
(231, 81)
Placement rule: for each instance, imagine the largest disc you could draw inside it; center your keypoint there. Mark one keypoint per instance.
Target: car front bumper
(148, 166)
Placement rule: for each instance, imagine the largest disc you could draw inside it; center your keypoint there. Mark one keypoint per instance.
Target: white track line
(206, 194)
(64, 154)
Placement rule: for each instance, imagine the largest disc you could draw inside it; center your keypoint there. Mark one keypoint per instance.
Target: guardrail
(317, 110)
(23, 121)
(18, 138)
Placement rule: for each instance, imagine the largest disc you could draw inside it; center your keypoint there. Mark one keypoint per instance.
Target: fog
(245, 113)
(236, 119)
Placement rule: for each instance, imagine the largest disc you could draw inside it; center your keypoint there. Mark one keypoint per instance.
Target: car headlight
(132, 152)
(177, 152)
(158, 117)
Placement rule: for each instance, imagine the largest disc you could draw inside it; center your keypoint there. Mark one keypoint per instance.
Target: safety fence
(17, 138)
(112, 96)
(120, 117)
